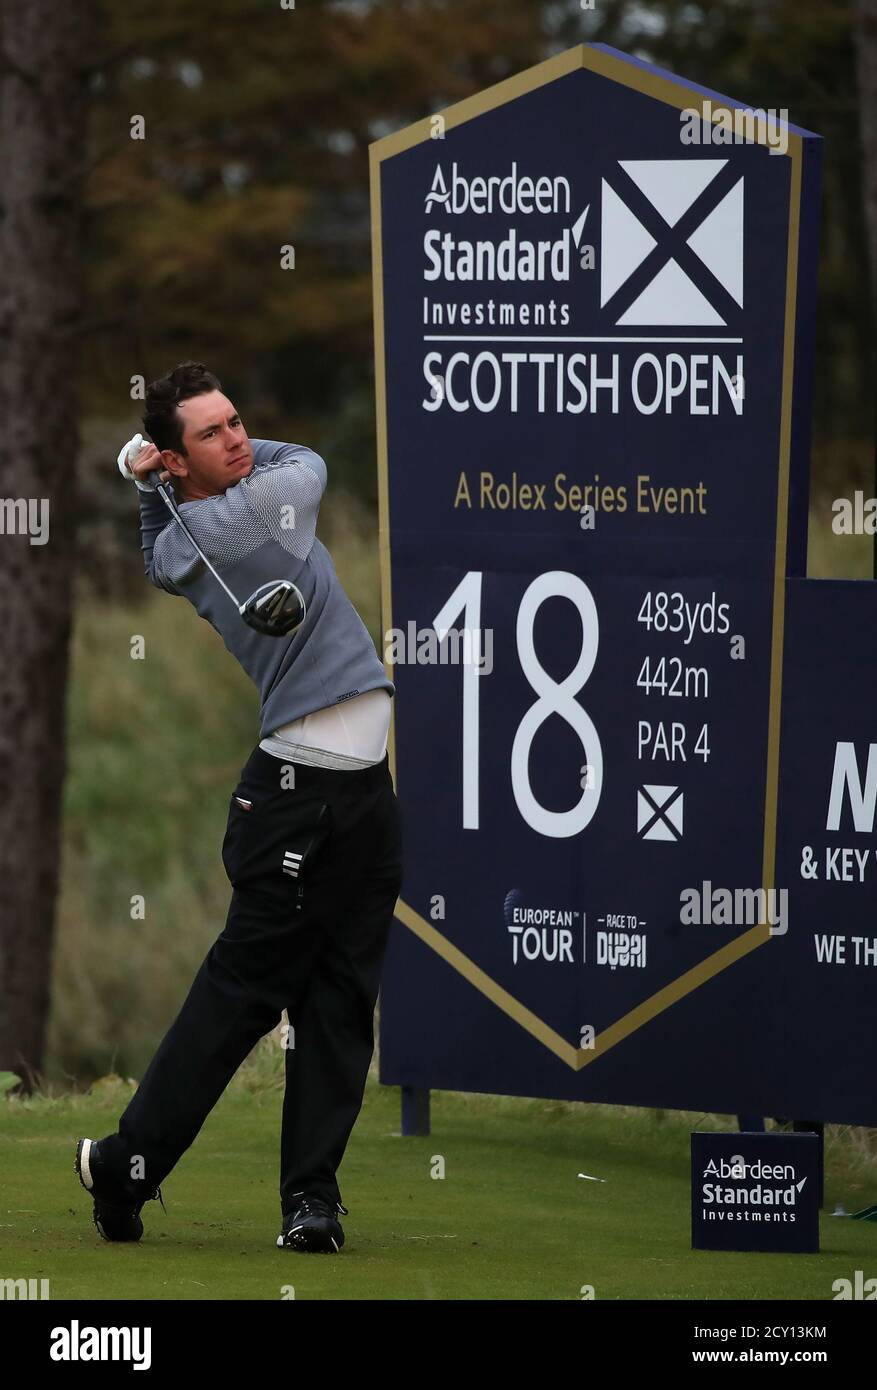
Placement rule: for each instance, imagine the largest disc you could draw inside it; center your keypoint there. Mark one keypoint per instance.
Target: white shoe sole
(284, 1243)
(85, 1164)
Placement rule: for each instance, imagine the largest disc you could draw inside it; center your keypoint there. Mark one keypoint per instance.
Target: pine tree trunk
(43, 103)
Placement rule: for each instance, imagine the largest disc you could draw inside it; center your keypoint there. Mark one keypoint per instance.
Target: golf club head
(275, 609)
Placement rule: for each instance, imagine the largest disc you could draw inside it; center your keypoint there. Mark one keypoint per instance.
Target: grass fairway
(509, 1220)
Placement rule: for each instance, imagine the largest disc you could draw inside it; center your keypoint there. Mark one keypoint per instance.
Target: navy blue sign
(822, 985)
(755, 1192)
(594, 293)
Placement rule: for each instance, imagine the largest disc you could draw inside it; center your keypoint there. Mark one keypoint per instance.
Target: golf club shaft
(175, 513)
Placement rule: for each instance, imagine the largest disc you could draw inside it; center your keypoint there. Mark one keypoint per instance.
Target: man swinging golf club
(312, 847)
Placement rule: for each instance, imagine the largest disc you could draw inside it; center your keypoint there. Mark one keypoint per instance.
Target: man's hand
(146, 461)
(137, 458)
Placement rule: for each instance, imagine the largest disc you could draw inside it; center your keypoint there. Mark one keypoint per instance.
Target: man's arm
(273, 451)
(136, 460)
(154, 516)
(286, 491)
(285, 494)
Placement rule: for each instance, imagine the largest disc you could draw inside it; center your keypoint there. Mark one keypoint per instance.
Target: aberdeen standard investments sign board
(594, 291)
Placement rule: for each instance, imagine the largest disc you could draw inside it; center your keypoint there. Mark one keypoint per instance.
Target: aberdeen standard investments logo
(756, 1191)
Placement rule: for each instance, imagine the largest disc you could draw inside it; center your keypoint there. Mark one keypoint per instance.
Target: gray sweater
(260, 529)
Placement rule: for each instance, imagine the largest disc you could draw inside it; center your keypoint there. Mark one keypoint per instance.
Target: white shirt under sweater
(347, 735)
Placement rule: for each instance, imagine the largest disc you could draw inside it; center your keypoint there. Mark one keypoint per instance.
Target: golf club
(275, 609)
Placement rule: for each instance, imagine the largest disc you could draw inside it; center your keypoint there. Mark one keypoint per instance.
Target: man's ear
(174, 463)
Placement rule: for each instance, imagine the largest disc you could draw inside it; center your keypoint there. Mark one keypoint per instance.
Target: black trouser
(316, 869)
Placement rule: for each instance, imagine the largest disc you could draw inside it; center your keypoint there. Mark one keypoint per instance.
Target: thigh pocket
(274, 841)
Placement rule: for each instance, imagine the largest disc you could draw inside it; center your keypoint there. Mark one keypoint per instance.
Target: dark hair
(161, 420)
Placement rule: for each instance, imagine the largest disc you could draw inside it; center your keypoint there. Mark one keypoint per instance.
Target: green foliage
(257, 127)
(258, 121)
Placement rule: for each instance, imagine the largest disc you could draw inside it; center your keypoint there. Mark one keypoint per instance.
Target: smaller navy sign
(755, 1192)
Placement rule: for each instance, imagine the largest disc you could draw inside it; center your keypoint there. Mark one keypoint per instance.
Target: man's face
(218, 452)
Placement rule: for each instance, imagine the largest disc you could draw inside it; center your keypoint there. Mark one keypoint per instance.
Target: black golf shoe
(313, 1225)
(116, 1210)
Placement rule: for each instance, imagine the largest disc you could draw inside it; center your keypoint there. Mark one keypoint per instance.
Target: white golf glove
(127, 455)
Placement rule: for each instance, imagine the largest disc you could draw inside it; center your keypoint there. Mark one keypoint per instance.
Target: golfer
(312, 847)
